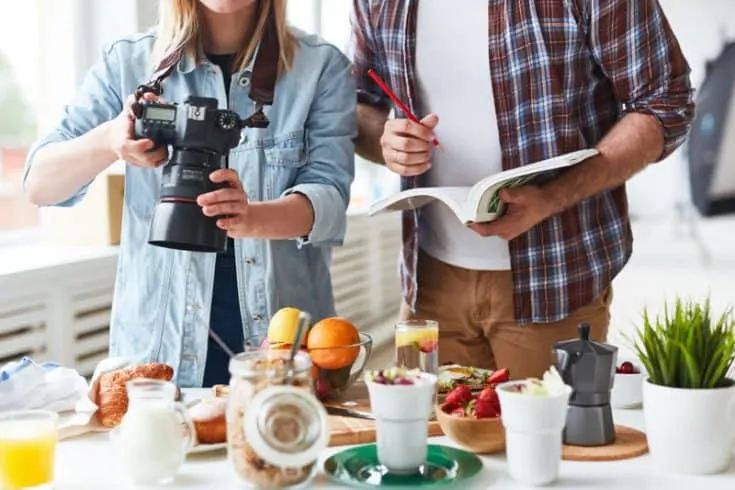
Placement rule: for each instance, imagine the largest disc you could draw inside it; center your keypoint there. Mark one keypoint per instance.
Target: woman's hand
(121, 134)
(230, 204)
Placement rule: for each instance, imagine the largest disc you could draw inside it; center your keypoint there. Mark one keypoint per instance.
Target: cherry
(627, 368)
(322, 388)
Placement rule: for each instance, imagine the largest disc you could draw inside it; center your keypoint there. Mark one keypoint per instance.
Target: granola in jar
(276, 428)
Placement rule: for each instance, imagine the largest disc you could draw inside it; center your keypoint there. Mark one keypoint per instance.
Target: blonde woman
(288, 185)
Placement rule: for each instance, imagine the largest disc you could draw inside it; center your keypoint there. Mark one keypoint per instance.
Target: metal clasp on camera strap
(258, 119)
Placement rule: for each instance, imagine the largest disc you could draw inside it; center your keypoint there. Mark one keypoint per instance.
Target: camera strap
(263, 79)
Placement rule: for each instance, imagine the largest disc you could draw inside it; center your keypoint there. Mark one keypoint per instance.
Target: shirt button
(244, 81)
(257, 318)
(192, 307)
(250, 261)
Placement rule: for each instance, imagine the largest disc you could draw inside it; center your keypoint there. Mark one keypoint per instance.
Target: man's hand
(526, 207)
(230, 204)
(407, 145)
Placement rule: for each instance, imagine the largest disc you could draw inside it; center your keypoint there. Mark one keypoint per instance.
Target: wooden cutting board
(350, 430)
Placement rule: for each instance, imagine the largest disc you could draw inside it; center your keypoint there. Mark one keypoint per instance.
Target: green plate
(359, 467)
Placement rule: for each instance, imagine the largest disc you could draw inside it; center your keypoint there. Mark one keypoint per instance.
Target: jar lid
(286, 426)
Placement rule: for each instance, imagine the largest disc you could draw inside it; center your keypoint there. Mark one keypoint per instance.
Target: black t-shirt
(225, 61)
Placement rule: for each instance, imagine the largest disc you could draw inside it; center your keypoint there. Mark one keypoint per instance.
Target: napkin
(28, 385)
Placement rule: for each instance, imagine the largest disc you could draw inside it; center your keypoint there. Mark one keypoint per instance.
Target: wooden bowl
(480, 436)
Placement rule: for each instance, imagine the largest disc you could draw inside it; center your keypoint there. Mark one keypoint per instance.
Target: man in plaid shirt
(505, 83)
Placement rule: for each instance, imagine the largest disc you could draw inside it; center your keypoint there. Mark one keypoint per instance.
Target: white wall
(702, 27)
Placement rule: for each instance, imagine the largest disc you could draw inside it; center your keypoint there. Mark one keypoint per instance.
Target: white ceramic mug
(533, 433)
(402, 415)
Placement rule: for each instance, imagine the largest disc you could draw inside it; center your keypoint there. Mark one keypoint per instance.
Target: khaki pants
(476, 323)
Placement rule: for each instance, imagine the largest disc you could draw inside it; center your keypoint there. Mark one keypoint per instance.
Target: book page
(487, 204)
(454, 197)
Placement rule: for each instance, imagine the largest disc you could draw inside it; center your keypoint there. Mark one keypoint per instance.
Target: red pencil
(397, 101)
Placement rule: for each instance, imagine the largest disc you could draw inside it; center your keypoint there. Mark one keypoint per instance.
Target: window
(18, 124)
(331, 18)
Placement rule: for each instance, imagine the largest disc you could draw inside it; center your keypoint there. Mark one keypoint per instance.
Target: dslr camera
(199, 136)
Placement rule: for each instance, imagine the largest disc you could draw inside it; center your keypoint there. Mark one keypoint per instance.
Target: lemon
(411, 337)
(283, 326)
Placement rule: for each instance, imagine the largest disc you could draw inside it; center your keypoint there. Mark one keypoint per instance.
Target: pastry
(220, 391)
(112, 397)
(209, 420)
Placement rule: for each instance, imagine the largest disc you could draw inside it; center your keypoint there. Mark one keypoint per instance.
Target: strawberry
(499, 376)
(485, 410)
(457, 412)
(458, 397)
(487, 394)
(428, 346)
(490, 396)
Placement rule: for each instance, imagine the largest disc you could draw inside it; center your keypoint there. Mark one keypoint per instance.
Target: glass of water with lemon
(417, 345)
(27, 449)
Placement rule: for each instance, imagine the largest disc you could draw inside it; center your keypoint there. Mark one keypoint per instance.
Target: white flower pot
(690, 431)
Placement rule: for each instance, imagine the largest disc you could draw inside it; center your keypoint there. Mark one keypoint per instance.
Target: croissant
(112, 396)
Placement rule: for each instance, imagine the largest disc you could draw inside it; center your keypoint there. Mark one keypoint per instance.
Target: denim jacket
(162, 298)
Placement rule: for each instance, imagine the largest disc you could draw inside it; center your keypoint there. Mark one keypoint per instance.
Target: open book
(479, 203)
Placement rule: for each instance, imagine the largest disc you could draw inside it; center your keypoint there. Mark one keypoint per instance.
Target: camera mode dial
(228, 120)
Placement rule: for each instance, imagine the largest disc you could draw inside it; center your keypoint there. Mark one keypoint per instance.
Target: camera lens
(178, 221)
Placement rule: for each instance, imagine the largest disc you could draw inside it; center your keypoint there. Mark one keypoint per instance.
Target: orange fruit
(333, 343)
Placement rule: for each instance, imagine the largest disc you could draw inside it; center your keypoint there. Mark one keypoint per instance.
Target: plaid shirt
(563, 73)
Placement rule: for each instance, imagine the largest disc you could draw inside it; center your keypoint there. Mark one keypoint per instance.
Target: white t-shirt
(453, 75)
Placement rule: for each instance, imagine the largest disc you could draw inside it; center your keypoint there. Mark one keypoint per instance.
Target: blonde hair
(179, 26)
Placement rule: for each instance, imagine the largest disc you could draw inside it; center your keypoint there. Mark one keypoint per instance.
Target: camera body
(195, 125)
(200, 136)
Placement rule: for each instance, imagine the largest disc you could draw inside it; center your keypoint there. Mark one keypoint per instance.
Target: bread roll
(112, 396)
(221, 391)
(209, 420)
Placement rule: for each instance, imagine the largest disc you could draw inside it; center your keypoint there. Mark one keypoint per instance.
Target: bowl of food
(472, 420)
(339, 351)
(627, 391)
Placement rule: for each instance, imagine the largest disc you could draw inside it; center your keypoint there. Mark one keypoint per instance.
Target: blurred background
(57, 266)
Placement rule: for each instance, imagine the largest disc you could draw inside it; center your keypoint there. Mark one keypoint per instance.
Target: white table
(90, 463)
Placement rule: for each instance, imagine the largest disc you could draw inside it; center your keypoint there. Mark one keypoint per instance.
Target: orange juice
(27, 449)
(416, 345)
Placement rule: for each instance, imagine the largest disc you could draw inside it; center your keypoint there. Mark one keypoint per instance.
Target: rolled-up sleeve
(638, 51)
(362, 52)
(326, 178)
(97, 100)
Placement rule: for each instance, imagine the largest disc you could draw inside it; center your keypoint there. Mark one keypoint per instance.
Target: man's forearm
(370, 123)
(633, 143)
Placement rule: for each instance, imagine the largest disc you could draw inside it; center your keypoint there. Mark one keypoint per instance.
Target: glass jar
(276, 430)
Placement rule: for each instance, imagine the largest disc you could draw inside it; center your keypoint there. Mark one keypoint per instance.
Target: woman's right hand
(121, 136)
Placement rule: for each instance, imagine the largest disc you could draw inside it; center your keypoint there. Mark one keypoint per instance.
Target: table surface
(90, 462)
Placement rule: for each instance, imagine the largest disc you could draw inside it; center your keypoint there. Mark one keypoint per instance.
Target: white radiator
(60, 311)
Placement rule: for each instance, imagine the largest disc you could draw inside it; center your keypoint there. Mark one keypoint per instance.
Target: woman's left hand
(230, 203)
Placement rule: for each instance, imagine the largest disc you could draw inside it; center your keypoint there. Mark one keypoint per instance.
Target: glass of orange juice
(27, 449)
(417, 344)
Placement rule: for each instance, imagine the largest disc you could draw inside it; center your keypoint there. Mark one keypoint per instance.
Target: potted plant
(688, 399)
